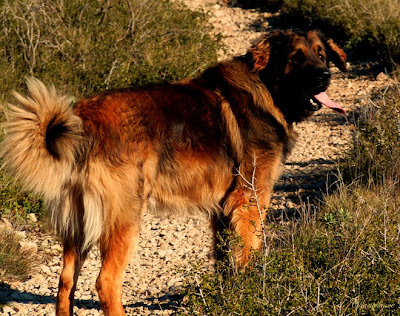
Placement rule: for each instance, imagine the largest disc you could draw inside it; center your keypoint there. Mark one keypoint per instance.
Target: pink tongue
(325, 100)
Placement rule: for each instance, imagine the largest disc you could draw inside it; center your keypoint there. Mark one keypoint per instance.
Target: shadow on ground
(154, 303)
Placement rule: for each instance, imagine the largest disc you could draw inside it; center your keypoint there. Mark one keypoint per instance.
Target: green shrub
(88, 46)
(369, 27)
(375, 158)
(342, 261)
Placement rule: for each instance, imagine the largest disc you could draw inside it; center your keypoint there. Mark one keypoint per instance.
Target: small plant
(15, 204)
(15, 262)
(315, 269)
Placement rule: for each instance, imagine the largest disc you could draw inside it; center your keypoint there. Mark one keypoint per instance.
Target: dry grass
(15, 262)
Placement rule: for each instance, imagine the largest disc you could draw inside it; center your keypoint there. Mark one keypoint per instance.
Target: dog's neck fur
(251, 102)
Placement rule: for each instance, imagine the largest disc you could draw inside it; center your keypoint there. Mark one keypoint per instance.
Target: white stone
(29, 246)
(7, 310)
(45, 269)
(382, 77)
(32, 217)
(162, 253)
(21, 234)
(56, 247)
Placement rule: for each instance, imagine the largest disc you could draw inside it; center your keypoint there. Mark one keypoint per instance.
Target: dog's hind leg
(116, 254)
(74, 258)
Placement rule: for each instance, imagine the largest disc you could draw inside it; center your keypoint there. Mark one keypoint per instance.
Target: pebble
(27, 297)
(7, 310)
(56, 247)
(162, 254)
(32, 217)
(45, 269)
(168, 245)
(15, 296)
(382, 77)
(28, 246)
(21, 310)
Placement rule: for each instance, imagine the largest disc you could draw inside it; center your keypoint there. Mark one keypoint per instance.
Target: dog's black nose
(322, 74)
(321, 80)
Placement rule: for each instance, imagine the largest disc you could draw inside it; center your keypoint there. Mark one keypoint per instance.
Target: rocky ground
(168, 246)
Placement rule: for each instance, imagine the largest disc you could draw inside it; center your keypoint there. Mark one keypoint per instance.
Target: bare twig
(201, 292)
(255, 195)
(108, 79)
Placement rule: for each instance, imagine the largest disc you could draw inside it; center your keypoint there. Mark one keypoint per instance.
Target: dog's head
(295, 68)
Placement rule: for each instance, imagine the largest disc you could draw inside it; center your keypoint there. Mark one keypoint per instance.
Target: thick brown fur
(173, 147)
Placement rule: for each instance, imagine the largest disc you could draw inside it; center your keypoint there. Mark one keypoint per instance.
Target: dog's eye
(321, 56)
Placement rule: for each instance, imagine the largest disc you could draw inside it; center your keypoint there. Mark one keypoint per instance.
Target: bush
(375, 158)
(343, 260)
(369, 27)
(88, 46)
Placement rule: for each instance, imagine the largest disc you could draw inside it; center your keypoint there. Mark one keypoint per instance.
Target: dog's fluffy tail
(42, 137)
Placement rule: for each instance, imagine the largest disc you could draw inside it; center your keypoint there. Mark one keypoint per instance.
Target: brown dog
(104, 162)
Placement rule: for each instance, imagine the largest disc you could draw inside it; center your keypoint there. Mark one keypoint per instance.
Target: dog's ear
(261, 53)
(336, 54)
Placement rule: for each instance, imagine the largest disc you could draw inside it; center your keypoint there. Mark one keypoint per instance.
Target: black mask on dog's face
(294, 67)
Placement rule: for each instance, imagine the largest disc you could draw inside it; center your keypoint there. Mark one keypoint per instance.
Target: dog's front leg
(246, 220)
(246, 207)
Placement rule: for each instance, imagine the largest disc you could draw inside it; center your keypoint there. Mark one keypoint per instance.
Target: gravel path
(169, 245)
